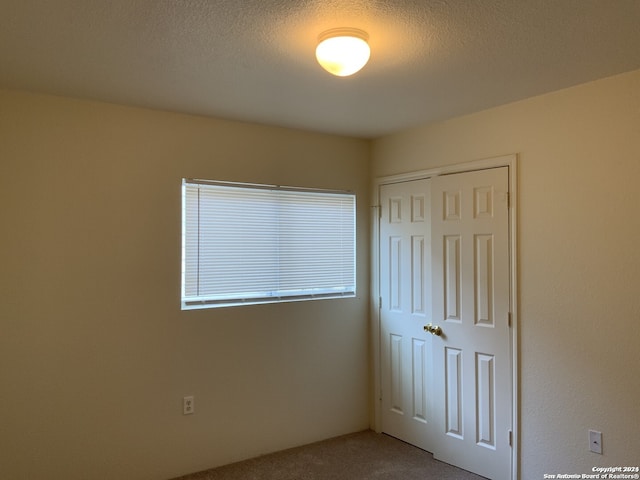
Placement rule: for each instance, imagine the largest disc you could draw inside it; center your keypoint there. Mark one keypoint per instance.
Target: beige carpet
(358, 456)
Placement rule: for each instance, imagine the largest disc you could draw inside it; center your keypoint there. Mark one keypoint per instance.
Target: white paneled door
(406, 306)
(448, 392)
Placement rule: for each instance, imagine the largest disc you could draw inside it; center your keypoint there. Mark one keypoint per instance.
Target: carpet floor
(359, 456)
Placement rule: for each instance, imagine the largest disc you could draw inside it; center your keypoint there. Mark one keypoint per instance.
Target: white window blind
(246, 244)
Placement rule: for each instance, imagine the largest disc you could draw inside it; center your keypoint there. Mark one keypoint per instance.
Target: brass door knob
(437, 331)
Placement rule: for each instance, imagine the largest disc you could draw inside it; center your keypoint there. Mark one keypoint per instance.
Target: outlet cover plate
(188, 407)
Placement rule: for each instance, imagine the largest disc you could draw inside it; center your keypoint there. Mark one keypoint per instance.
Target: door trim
(509, 161)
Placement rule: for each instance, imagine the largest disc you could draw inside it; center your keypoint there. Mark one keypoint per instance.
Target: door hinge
(508, 200)
(509, 319)
(379, 302)
(510, 438)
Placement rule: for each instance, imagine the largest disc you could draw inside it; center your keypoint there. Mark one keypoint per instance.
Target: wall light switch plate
(595, 441)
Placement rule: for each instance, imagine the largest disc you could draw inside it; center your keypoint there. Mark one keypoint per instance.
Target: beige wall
(579, 260)
(92, 371)
(95, 354)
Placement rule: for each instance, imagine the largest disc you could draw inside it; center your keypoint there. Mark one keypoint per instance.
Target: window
(246, 244)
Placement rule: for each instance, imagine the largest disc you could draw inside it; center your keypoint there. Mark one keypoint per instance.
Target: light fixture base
(343, 32)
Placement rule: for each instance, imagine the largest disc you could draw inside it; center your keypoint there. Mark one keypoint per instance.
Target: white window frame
(269, 244)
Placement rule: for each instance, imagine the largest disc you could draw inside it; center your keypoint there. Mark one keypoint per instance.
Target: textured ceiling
(253, 60)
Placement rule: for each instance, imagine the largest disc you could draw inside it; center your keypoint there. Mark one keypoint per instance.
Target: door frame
(509, 161)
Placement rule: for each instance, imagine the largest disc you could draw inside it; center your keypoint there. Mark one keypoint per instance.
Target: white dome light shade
(343, 51)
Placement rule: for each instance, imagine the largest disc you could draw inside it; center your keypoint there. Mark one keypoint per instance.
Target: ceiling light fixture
(343, 51)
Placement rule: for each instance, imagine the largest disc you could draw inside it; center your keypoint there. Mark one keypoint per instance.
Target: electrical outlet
(595, 441)
(188, 406)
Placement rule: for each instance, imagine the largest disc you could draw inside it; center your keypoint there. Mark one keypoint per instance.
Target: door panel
(453, 392)
(471, 359)
(406, 292)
